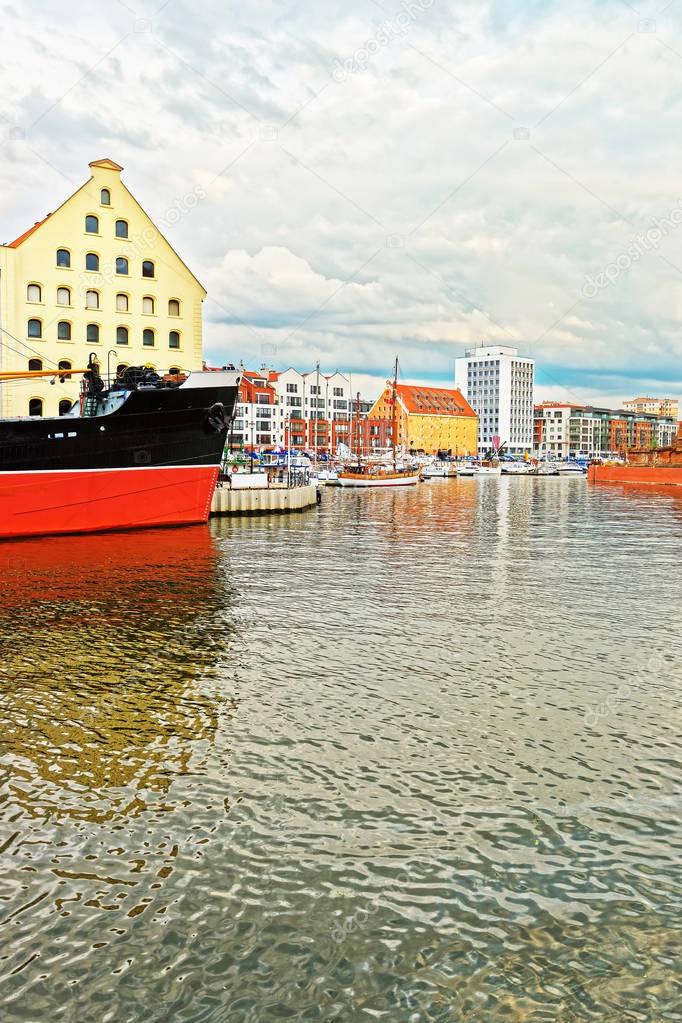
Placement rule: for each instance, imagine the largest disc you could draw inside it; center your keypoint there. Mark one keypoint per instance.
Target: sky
(353, 180)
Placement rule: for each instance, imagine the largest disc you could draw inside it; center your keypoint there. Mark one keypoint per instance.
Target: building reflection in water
(106, 643)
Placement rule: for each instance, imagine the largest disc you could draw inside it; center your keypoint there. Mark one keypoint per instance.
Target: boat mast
(394, 399)
(317, 416)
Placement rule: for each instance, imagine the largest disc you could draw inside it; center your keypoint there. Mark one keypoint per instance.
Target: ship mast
(395, 416)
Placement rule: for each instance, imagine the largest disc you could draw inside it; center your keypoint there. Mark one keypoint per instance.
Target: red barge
(143, 452)
(660, 466)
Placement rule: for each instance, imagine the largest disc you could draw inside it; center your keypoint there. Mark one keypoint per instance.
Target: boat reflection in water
(105, 640)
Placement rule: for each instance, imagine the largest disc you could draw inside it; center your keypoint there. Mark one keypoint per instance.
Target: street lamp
(112, 351)
(252, 425)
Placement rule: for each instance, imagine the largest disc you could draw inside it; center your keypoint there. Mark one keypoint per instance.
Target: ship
(376, 475)
(659, 466)
(137, 451)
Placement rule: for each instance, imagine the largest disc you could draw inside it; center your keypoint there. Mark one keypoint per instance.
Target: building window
(121, 303)
(35, 407)
(91, 224)
(64, 331)
(148, 338)
(147, 304)
(147, 268)
(292, 388)
(121, 335)
(63, 296)
(35, 328)
(121, 265)
(63, 257)
(173, 307)
(105, 197)
(35, 365)
(92, 333)
(64, 364)
(34, 293)
(174, 339)
(65, 406)
(92, 262)
(121, 228)
(92, 299)
(338, 392)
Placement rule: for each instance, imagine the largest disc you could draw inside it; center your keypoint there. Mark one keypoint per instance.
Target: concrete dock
(270, 500)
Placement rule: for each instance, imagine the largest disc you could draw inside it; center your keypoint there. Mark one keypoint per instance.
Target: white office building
(498, 384)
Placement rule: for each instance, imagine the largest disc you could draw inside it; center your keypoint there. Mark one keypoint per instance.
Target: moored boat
(142, 452)
(661, 466)
(376, 474)
(439, 469)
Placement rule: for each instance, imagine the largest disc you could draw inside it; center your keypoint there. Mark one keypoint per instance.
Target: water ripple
(413, 757)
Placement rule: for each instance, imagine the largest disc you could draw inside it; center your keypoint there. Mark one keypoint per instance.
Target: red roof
(22, 237)
(433, 401)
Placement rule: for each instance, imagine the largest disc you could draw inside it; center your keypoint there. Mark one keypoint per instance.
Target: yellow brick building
(94, 276)
(430, 419)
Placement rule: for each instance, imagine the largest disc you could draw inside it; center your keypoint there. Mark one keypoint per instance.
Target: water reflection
(450, 792)
(103, 640)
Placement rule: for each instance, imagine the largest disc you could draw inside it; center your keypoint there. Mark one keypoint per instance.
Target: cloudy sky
(378, 177)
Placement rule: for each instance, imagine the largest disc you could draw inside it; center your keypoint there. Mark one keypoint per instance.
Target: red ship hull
(49, 502)
(669, 475)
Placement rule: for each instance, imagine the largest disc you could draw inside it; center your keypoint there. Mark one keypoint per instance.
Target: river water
(413, 756)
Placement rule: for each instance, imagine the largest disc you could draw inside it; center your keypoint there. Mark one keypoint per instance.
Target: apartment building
(653, 406)
(498, 384)
(566, 430)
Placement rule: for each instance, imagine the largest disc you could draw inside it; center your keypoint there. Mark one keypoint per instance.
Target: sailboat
(380, 475)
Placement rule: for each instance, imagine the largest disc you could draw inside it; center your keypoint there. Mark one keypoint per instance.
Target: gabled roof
(108, 165)
(22, 237)
(433, 401)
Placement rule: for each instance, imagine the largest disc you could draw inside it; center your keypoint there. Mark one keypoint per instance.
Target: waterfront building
(653, 406)
(568, 430)
(498, 384)
(96, 275)
(430, 419)
(311, 411)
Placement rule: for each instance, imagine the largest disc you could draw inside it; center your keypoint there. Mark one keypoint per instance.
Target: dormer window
(105, 197)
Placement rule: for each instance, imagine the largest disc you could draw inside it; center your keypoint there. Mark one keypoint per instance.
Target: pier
(272, 500)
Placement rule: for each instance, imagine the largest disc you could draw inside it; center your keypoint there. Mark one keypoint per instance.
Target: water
(411, 757)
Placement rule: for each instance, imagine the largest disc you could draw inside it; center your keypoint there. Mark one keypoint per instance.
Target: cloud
(476, 162)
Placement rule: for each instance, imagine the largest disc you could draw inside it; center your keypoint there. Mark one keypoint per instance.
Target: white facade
(314, 395)
(306, 396)
(498, 384)
(556, 432)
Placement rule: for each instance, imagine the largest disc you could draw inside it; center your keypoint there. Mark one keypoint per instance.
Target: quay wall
(260, 502)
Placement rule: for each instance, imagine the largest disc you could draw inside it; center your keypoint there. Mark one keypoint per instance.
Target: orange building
(429, 419)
